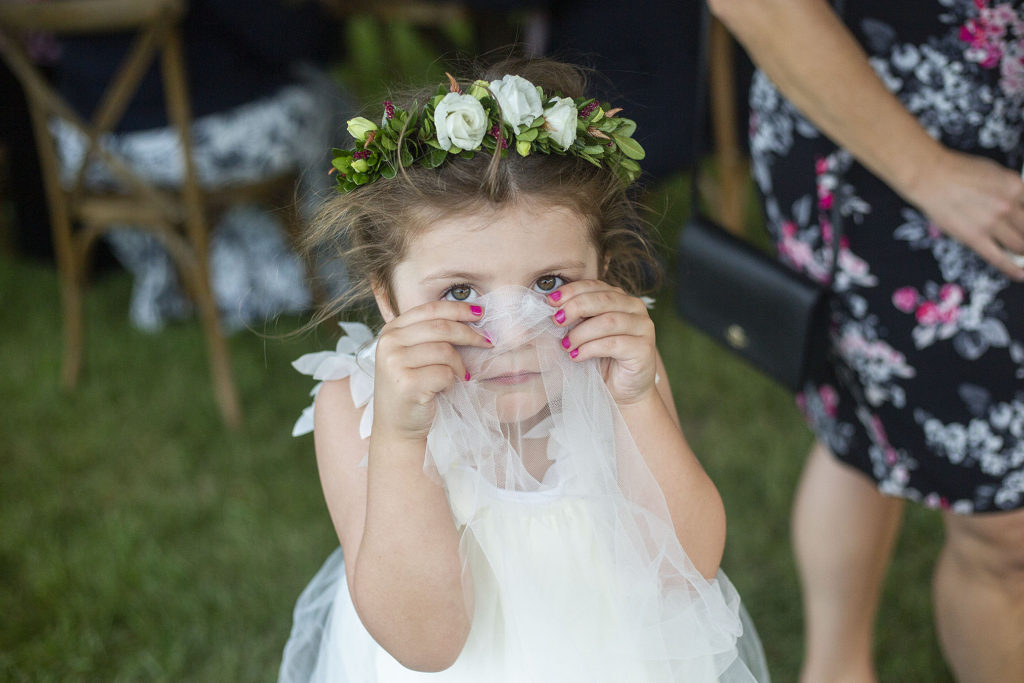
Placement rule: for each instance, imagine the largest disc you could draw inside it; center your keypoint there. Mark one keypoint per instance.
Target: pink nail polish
(566, 343)
(476, 310)
(467, 376)
(560, 317)
(489, 340)
(574, 353)
(555, 296)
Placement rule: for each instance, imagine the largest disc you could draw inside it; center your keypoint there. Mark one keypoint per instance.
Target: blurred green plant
(384, 56)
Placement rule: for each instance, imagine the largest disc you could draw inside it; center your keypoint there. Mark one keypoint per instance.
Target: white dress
(576, 570)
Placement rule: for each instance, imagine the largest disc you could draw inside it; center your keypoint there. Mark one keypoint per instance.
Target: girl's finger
(610, 325)
(595, 302)
(432, 380)
(573, 289)
(621, 348)
(438, 330)
(430, 354)
(458, 311)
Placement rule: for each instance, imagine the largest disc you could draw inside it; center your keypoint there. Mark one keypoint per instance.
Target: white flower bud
(560, 121)
(518, 99)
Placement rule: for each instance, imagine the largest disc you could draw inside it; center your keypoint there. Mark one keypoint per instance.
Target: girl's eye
(460, 293)
(548, 283)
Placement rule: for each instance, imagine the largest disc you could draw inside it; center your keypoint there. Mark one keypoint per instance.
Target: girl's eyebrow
(476, 277)
(452, 275)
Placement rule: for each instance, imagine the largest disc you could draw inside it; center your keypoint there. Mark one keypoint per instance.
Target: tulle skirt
(548, 612)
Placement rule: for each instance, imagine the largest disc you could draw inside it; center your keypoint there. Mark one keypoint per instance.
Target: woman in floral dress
(919, 107)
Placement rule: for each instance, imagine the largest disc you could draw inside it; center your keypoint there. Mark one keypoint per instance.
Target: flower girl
(503, 463)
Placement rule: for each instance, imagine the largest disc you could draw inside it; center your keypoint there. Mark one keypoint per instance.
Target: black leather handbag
(771, 316)
(750, 303)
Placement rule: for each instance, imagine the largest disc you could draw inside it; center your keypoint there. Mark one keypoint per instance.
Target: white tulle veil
(572, 566)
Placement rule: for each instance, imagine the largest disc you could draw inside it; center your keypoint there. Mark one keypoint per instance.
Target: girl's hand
(614, 326)
(416, 359)
(977, 202)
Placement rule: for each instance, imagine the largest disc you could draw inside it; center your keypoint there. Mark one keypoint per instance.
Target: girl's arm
(400, 542)
(816, 63)
(616, 328)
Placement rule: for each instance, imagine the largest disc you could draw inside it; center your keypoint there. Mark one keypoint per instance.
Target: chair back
(155, 25)
(79, 212)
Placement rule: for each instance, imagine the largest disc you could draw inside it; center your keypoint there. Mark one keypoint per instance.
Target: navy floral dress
(926, 391)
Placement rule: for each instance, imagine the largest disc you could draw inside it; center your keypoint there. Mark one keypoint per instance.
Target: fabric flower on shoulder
(353, 358)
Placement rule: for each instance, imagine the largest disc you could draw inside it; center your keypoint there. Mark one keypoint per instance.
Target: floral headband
(491, 116)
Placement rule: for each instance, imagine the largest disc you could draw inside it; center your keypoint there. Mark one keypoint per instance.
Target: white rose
(518, 99)
(460, 121)
(560, 120)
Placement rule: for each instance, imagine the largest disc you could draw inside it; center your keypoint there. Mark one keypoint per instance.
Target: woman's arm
(816, 63)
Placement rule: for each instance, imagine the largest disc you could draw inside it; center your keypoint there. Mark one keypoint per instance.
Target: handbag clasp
(736, 336)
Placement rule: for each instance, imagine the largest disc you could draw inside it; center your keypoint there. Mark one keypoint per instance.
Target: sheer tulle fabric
(574, 569)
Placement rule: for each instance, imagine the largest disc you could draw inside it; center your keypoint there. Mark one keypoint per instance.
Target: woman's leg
(979, 596)
(843, 534)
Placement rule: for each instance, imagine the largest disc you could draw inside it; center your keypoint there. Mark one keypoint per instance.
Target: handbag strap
(700, 98)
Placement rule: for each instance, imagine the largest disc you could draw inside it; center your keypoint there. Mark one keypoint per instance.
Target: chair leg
(71, 304)
(70, 262)
(192, 268)
(196, 233)
(220, 361)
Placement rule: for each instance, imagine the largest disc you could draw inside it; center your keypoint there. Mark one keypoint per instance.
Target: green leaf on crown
(630, 147)
(626, 127)
(528, 135)
(405, 158)
(434, 158)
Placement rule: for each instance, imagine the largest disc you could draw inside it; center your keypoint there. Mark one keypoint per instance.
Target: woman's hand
(612, 326)
(977, 202)
(416, 359)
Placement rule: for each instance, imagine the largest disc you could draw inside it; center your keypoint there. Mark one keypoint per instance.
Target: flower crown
(490, 116)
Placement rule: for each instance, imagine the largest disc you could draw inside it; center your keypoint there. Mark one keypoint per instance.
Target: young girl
(503, 463)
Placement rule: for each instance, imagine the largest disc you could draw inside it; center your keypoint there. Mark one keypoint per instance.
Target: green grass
(140, 540)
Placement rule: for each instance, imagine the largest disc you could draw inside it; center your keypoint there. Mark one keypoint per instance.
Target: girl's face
(464, 257)
(460, 258)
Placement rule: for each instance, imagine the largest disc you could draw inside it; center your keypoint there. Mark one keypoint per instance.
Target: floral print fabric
(926, 391)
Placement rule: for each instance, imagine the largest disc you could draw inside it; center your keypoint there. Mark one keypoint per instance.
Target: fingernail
(574, 353)
(476, 310)
(555, 296)
(467, 376)
(560, 317)
(565, 342)
(489, 340)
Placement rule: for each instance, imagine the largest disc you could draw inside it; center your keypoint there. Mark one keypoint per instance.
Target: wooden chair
(178, 216)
